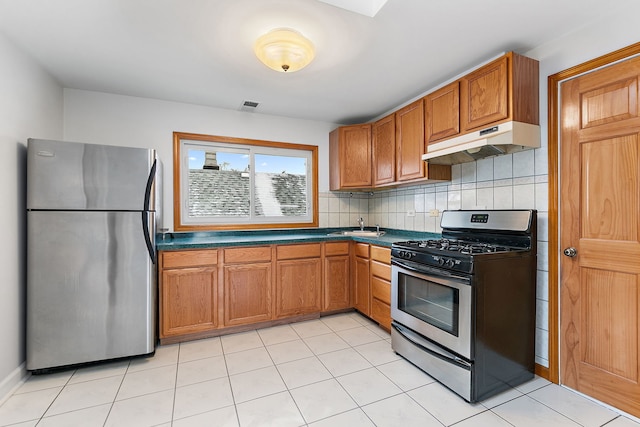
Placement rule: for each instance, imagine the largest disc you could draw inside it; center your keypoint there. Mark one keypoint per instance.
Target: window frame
(178, 186)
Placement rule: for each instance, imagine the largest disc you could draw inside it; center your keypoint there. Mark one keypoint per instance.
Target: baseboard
(13, 381)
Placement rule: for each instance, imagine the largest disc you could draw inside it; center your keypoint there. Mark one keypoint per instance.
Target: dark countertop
(213, 239)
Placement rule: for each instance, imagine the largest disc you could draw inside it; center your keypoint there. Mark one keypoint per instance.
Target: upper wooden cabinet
(384, 150)
(410, 142)
(442, 113)
(350, 157)
(503, 90)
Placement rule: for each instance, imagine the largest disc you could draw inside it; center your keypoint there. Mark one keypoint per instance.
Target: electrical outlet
(411, 212)
(434, 212)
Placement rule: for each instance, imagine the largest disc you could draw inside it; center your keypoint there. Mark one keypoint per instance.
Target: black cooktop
(454, 245)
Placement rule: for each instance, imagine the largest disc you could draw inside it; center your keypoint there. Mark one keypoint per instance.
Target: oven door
(434, 303)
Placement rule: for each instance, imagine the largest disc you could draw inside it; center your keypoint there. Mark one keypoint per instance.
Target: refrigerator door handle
(147, 236)
(148, 191)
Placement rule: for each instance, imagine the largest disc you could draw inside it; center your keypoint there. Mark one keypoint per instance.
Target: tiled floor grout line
(374, 362)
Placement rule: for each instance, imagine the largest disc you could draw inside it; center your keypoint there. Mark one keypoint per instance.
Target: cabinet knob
(570, 252)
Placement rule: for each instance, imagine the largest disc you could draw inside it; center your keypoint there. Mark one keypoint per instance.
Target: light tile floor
(336, 371)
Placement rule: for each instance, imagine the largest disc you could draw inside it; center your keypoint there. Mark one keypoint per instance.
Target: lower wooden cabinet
(247, 285)
(188, 292)
(204, 291)
(337, 282)
(360, 280)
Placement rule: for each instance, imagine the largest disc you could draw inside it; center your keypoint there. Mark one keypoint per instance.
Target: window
(223, 183)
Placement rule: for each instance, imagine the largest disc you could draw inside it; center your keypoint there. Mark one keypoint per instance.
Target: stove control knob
(441, 261)
(449, 263)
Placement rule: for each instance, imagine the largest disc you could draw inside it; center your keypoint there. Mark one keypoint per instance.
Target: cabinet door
(298, 288)
(442, 113)
(361, 285)
(485, 97)
(410, 142)
(384, 150)
(189, 301)
(350, 157)
(247, 293)
(336, 286)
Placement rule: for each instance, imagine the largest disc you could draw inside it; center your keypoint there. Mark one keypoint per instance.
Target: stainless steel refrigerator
(91, 275)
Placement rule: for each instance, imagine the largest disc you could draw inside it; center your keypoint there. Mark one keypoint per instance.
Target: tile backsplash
(512, 181)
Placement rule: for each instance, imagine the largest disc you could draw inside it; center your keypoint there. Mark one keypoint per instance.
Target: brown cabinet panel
(381, 313)
(361, 294)
(311, 250)
(350, 157)
(247, 254)
(442, 113)
(485, 95)
(380, 270)
(189, 258)
(188, 300)
(247, 293)
(381, 289)
(384, 150)
(362, 250)
(336, 248)
(382, 254)
(298, 288)
(337, 287)
(410, 144)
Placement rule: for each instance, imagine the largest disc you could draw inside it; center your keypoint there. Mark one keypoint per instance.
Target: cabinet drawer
(378, 253)
(362, 250)
(381, 313)
(380, 270)
(336, 248)
(179, 259)
(381, 289)
(247, 254)
(311, 250)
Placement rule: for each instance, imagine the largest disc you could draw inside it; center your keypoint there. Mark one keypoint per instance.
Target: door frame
(553, 88)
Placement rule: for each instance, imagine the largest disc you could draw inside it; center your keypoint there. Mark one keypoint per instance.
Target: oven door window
(430, 302)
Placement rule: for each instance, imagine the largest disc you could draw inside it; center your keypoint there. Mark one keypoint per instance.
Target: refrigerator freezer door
(91, 291)
(76, 176)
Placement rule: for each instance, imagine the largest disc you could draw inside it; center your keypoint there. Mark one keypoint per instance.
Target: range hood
(504, 138)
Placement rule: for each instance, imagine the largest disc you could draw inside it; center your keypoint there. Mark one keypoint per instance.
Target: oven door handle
(431, 348)
(425, 269)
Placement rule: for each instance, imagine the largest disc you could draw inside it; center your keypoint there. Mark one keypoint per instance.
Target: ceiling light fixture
(284, 50)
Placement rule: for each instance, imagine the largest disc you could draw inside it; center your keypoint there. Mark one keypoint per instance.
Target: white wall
(30, 106)
(122, 120)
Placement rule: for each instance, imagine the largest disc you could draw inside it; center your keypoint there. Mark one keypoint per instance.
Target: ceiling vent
(249, 106)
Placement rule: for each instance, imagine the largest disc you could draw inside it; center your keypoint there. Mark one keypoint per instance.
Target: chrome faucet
(361, 223)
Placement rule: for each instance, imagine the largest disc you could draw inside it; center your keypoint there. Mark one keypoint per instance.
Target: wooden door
(361, 294)
(336, 283)
(485, 95)
(410, 141)
(350, 157)
(299, 287)
(247, 293)
(442, 113)
(384, 150)
(600, 219)
(189, 301)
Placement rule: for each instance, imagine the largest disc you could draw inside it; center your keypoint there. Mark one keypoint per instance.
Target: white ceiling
(200, 51)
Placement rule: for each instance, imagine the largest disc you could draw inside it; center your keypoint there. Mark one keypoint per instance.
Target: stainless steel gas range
(463, 306)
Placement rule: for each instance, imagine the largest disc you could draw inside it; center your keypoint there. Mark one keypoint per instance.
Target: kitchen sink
(361, 233)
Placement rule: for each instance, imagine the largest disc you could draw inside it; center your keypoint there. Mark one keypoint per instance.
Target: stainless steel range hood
(504, 138)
